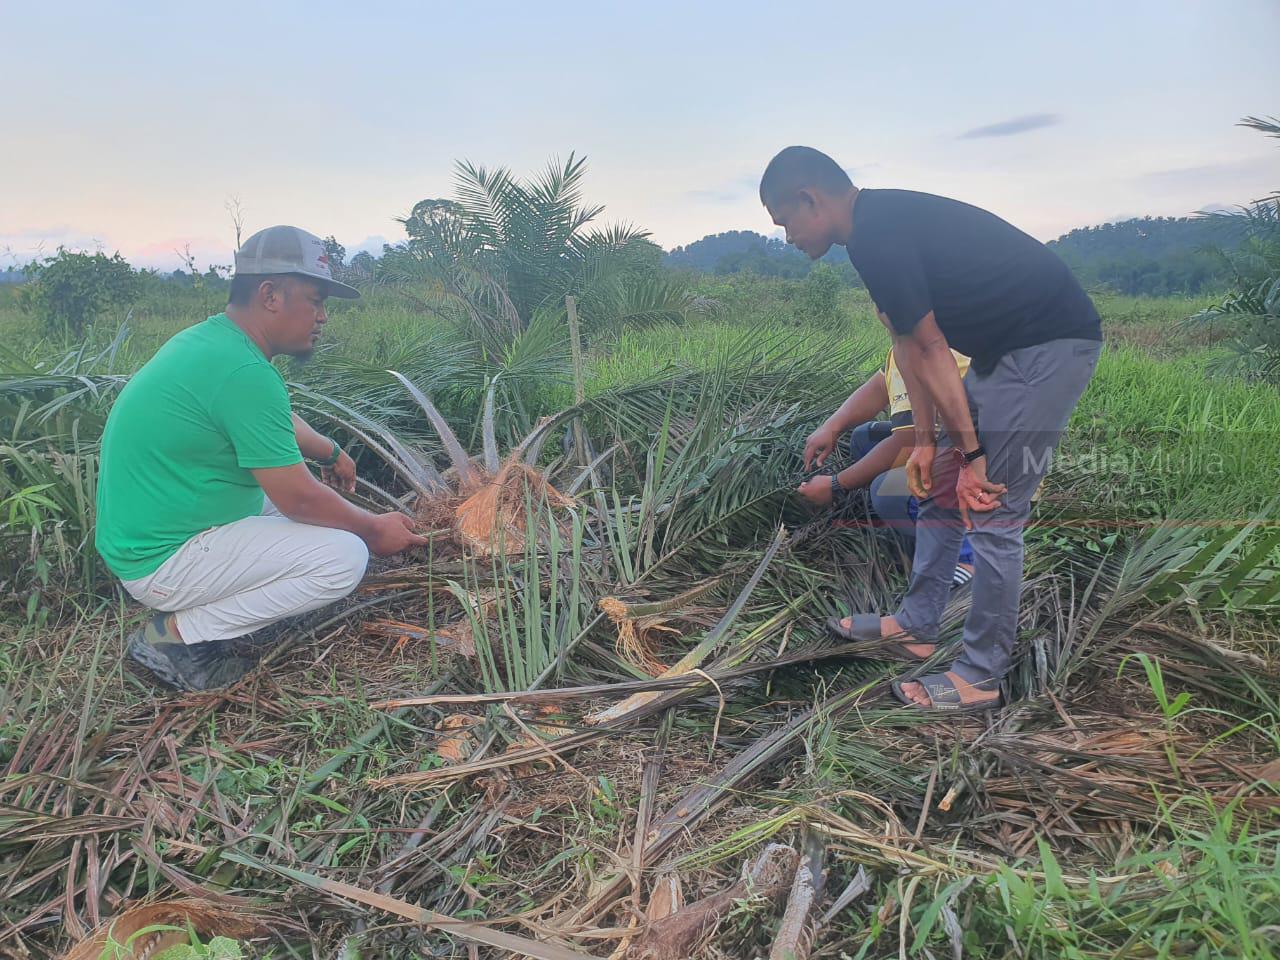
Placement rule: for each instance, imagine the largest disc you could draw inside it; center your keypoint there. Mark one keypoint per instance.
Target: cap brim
(332, 288)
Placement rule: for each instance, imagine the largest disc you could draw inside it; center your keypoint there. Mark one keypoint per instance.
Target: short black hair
(244, 285)
(798, 168)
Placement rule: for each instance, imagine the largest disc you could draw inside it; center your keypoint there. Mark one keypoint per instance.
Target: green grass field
(1125, 805)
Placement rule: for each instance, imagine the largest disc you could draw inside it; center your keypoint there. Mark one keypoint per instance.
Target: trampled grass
(1125, 806)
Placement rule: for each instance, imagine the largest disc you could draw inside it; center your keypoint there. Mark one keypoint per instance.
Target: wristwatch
(333, 457)
(974, 454)
(837, 491)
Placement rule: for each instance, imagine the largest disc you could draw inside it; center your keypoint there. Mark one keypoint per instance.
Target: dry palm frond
(678, 934)
(692, 660)
(469, 931)
(461, 740)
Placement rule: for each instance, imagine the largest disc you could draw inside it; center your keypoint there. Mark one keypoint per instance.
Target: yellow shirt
(899, 403)
(900, 410)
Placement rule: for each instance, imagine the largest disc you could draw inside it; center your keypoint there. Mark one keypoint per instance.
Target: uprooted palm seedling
(481, 502)
(485, 505)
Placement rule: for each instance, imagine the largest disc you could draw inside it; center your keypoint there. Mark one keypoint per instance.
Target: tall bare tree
(236, 209)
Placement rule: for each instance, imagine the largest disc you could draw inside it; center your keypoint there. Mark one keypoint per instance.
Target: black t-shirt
(991, 287)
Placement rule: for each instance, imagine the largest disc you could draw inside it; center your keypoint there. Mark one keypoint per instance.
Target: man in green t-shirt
(206, 510)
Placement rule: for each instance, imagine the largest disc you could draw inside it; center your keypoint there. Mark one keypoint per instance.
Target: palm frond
(457, 456)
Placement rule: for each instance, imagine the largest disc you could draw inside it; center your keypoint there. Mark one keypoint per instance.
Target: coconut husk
(122, 936)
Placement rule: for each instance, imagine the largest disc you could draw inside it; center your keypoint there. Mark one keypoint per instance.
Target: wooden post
(579, 385)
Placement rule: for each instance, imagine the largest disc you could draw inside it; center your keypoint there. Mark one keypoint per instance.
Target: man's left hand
(342, 475)
(975, 492)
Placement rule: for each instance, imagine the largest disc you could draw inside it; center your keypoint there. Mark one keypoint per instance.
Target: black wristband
(974, 454)
(334, 456)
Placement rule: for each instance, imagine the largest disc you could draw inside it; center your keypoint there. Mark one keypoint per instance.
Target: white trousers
(234, 579)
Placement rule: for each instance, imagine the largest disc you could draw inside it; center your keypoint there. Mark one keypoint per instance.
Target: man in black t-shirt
(944, 274)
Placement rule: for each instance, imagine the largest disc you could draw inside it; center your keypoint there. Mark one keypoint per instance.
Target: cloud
(856, 173)
(34, 242)
(168, 254)
(1011, 128)
(371, 244)
(1226, 171)
(731, 192)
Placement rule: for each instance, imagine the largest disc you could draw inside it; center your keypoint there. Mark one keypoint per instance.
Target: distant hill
(745, 251)
(1152, 255)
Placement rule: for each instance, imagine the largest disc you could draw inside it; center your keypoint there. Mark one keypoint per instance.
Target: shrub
(68, 290)
(820, 300)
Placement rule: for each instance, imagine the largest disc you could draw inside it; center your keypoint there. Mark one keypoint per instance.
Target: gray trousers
(1020, 409)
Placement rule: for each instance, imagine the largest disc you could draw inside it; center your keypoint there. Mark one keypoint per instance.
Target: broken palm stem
(637, 623)
(693, 659)
(798, 928)
(561, 694)
(678, 936)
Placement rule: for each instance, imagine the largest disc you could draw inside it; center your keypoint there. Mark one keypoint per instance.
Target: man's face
(297, 308)
(807, 222)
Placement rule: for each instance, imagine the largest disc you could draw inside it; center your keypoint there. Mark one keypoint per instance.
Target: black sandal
(943, 695)
(865, 628)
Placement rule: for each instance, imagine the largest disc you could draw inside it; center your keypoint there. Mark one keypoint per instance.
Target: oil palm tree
(1253, 306)
(506, 250)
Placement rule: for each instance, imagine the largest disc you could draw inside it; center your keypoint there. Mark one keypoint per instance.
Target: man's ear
(807, 198)
(271, 295)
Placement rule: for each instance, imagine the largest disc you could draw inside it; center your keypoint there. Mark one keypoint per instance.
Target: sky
(131, 126)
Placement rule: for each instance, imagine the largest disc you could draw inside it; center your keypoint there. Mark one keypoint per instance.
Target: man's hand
(817, 490)
(392, 533)
(975, 492)
(920, 470)
(819, 446)
(342, 475)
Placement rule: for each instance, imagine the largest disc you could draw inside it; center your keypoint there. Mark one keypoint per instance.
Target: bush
(820, 299)
(68, 290)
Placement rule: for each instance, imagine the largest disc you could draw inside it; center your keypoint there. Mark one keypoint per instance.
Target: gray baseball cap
(290, 250)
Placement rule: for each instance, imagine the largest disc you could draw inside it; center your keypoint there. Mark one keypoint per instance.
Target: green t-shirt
(181, 440)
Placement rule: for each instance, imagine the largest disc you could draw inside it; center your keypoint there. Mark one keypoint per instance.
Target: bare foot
(889, 629)
(968, 692)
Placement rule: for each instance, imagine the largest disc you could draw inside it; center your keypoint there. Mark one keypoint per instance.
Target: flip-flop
(862, 626)
(865, 628)
(943, 695)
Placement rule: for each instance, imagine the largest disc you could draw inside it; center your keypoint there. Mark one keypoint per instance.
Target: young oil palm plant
(1252, 308)
(506, 250)
(51, 416)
